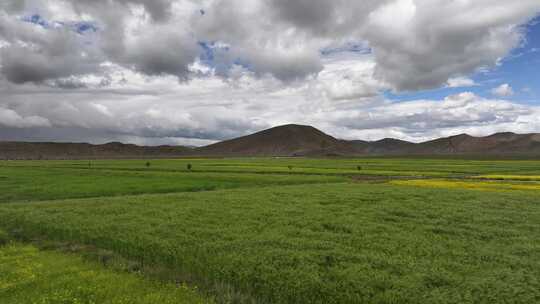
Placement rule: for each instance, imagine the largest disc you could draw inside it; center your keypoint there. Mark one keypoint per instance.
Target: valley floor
(270, 231)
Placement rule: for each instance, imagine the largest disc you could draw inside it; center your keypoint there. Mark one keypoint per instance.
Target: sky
(186, 72)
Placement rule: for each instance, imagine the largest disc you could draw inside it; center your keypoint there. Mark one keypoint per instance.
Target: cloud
(198, 71)
(159, 110)
(504, 90)
(459, 82)
(11, 119)
(31, 53)
(417, 44)
(424, 119)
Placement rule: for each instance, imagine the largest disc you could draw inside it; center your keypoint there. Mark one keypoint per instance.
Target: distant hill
(382, 147)
(287, 140)
(502, 144)
(43, 150)
(298, 140)
(496, 144)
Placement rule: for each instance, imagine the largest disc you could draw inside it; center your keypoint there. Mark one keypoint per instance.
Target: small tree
(359, 168)
(290, 167)
(147, 164)
(189, 167)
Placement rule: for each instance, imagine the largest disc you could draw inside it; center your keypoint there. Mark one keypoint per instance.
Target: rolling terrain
(288, 141)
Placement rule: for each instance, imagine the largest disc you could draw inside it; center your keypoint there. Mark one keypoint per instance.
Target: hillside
(43, 150)
(287, 140)
(298, 140)
(496, 144)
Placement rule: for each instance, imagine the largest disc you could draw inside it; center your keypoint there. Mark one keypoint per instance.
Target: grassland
(484, 185)
(295, 230)
(29, 275)
(31, 183)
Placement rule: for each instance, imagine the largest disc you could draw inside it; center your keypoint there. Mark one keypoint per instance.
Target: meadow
(275, 230)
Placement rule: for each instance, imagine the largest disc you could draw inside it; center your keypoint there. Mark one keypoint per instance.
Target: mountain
(287, 140)
(44, 150)
(496, 144)
(382, 147)
(298, 140)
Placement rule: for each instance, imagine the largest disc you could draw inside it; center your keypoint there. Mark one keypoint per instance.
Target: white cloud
(12, 119)
(159, 110)
(504, 90)
(265, 67)
(459, 82)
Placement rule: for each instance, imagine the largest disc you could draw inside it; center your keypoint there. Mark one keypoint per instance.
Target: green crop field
(274, 230)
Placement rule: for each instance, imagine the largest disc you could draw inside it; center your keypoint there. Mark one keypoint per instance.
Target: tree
(147, 164)
(189, 167)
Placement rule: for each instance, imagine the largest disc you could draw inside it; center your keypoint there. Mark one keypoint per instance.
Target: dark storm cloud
(163, 51)
(160, 10)
(34, 54)
(418, 44)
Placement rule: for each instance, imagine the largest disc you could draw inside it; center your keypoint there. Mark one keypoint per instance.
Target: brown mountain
(382, 147)
(44, 150)
(298, 140)
(287, 140)
(496, 144)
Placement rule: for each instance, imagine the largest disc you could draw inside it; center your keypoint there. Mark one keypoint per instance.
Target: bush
(147, 164)
(189, 167)
(359, 168)
(4, 238)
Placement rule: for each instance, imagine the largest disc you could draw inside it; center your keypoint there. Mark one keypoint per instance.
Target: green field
(28, 275)
(274, 230)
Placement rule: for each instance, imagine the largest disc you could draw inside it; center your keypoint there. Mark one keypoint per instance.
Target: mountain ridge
(287, 140)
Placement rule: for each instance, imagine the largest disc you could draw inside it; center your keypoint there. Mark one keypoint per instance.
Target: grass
(272, 230)
(471, 185)
(28, 183)
(510, 177)
(331, 166)
(323, 243)
(31, 276)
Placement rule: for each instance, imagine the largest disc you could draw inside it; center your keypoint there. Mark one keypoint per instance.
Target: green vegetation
(375, 166)
(4, 237)
(340, 243)
(29, 276)
(281, 230)
(28, 183)
(510, 177)
(471, 184)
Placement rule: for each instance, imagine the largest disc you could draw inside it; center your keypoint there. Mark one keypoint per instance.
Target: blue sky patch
(80, 27)
(520, 70)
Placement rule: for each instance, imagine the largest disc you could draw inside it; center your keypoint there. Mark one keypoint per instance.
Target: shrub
(4, 238)
(147, 164)
(359, 168)
(189, 167)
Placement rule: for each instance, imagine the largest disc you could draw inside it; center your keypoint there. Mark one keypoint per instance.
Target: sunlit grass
(469, 184)
(31, 276)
